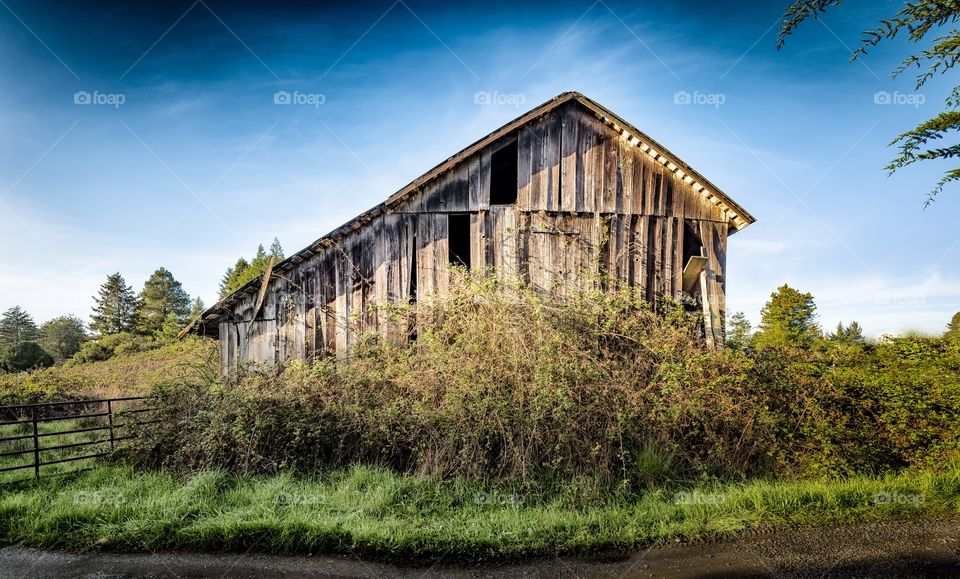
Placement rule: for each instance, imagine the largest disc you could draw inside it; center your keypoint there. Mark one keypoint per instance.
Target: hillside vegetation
(514, 386)
(128, 373)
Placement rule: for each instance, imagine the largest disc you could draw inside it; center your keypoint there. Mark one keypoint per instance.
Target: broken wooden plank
(691, 272)
(263, 292)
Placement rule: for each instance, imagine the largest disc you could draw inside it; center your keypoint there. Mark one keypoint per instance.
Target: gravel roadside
(910, 548)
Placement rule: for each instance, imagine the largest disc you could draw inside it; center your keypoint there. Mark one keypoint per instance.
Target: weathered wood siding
(588, 203)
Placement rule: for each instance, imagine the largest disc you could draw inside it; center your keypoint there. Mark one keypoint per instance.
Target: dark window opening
(458, 239)
(503, 175)
(412, 290)
(692, 245)
(412, 299)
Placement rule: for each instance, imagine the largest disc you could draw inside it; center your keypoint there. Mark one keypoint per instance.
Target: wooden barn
(565, 190)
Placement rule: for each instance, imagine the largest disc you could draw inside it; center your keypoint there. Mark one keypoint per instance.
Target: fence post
(110, 419)
(36, 444)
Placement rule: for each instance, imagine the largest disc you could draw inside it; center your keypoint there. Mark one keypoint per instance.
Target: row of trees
(244, 271)
(121, 319)
(160, 309)
(790, 319)
(163, 307)
(23, 345)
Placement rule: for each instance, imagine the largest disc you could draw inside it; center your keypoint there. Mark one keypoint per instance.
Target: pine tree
(227, 278)
(16, 326)
(275, 250)
(197, 309)
(953, 328)
(738, 331)
(62, 337)
(116, 307)
(259, 261)
(230, 281)
(162, 296)
(789, 318)
(852, 334)
(169, 330)
(243, 271)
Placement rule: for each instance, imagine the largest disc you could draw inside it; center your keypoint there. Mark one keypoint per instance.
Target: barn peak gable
(451, 179)
(629, 134)
(587, 129)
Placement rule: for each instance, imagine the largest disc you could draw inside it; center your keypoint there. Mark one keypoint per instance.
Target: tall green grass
(49, 437)
(373, 512)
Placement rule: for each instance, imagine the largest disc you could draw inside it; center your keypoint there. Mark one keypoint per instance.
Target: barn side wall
(587, 201)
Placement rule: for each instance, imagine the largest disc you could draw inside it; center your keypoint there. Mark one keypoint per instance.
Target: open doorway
(458, 239)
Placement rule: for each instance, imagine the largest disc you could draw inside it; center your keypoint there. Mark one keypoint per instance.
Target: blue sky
(185, 161)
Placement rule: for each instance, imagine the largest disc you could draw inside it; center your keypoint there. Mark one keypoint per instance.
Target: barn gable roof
(736, 214)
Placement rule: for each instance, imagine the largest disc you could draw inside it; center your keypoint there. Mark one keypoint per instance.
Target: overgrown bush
(515, 385)
(505, 384)
(25, 356)
(110, 346)
(846, 408)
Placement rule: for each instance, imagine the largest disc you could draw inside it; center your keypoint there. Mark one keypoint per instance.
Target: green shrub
(507, 384)
(847, 408)
(91, 352)
(25, 356)
(112, 345)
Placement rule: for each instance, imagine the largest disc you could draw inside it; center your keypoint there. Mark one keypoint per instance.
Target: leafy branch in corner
(916, 19)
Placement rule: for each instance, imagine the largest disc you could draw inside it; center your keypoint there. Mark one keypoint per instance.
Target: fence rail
(95, 416)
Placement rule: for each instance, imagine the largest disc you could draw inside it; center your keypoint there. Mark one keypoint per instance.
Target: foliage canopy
(916, 20)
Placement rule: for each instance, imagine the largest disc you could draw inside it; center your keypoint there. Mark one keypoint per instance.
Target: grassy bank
(375, 513)
(128, 374)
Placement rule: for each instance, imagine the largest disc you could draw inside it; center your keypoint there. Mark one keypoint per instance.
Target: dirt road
(915, 548)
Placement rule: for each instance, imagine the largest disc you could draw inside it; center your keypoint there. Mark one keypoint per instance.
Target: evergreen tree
(168, 332)
(275, 250)
(953, 328)
(116, 307)
(243, 271)
(789, 318)
(259, 261)
(738, 331)
(231, 279)
(16, 326)
(851, 334)
(197, 308)
(162, 296)
(62, 337)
